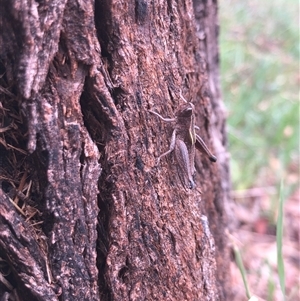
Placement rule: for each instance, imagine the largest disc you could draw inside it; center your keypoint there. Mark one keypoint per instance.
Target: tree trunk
(86, 211)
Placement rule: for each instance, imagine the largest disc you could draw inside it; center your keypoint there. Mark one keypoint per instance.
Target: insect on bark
(184, 141)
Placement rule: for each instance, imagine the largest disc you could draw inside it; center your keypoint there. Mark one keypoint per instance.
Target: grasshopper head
(185, 110)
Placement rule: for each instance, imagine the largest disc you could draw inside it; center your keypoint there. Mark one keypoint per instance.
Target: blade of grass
(239, 262)
(279, 234)
(271, 289)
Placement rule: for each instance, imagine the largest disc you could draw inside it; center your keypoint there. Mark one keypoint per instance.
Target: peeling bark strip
(55, 118)
(117, 226)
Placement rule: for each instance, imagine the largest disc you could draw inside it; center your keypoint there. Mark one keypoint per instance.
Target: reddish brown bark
(117, 225)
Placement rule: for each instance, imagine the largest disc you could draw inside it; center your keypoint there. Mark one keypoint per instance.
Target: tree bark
(86, 213)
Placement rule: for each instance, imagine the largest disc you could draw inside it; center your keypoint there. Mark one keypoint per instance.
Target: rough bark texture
(115, 225)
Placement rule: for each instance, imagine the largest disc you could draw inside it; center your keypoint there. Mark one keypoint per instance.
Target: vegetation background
(259, 48)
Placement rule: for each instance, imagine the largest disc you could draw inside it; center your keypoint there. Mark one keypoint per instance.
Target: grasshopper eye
(187, 112)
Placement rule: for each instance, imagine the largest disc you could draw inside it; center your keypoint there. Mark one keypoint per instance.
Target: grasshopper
(184, 141)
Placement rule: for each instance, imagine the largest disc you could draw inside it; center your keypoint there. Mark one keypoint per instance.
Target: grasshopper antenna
(180, 94)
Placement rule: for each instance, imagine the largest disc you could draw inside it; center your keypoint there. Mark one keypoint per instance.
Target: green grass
(259, 47)
(239, 262)
(279, 240)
